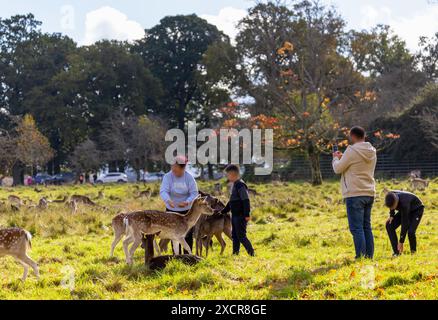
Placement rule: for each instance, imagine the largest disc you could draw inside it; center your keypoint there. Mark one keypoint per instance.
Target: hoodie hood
(365, 150)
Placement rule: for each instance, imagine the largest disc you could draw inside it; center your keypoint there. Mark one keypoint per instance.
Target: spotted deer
(419, 184)
(43, 204)
(15, 202)
(209, 226)
(167, 225)
(72, 205)
(16, 242)
(120, 231)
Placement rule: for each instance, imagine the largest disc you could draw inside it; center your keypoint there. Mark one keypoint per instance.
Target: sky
(87, 21)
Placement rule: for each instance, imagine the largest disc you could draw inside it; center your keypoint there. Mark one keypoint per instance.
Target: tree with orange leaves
(32, 147)
(295, 69)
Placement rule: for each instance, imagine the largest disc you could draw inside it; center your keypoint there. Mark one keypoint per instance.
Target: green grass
(300, 233)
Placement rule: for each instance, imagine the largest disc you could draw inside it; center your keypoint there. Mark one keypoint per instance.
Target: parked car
(152, 177)
(63, 178)
(42, 178)
(113, 177)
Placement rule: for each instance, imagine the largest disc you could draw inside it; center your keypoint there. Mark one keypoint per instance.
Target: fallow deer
(16, 242)
(15, 202)
(209, 226)
(120, 231)
(419, 184)
(72, 205)
(43, 204)
(83, 199)
(167, 225)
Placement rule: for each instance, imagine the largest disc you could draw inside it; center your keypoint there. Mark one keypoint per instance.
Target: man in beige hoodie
(357, 166)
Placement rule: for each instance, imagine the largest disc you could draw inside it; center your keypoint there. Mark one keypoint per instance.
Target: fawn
(15, 242)
(209, 226)
(167, 225)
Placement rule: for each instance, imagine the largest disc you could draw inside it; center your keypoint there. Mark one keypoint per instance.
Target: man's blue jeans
(359, 221)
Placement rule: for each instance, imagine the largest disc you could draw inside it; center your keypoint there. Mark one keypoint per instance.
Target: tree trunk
(18, 174)
(315, 167)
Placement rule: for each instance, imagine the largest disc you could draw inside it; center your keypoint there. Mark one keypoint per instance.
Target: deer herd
(204, 217)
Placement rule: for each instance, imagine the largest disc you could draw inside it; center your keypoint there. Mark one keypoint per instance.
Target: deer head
(201, 205)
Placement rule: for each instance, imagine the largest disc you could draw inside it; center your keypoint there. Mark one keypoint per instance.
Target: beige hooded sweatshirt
(357, 167)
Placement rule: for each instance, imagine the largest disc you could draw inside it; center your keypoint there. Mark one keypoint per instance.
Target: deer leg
(228, 233)
(207, 244)
(135, 245)
(198, 247)
(27, 260)
(175, 247)
(221, 241)
(185, 245)
(164, 244)
(26, 269)
(117, 239)
(126, 243)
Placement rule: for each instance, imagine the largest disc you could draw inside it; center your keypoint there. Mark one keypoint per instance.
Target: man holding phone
(357, 166)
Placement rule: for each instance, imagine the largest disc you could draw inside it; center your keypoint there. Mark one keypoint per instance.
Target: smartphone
(335, 148)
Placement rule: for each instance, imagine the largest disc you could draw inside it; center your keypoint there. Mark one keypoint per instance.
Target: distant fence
(386, 167)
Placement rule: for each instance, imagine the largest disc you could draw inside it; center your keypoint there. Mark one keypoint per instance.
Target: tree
(416, 126)
(86, 157)
(394, 73)
(295, 67)
(33, 148)
(128, 140)
(30, 60)
(428, 57)
(99, 80)
(173, 50)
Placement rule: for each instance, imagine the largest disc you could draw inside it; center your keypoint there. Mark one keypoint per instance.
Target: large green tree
(394, 73)
(173, 50)
(99, 80)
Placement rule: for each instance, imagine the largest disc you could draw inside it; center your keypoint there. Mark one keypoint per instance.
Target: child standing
(410, 211)
(240, 208)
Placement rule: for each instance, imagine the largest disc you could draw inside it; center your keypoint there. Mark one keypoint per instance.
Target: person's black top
(239, 204)
(408, 203)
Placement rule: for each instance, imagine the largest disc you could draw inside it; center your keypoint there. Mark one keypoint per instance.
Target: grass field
(300, 234)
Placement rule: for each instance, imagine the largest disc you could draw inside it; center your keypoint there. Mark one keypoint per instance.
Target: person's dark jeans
(239, 225)
(359, 221)
(414, 221)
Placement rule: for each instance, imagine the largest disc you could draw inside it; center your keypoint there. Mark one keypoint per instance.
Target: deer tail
(126, 224)
(28, 238)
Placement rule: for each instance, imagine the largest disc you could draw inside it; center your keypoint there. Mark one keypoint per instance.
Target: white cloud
(421, 23)
(109, 23)
(226, 20)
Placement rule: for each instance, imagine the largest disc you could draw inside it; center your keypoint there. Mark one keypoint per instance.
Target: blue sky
(89, 20)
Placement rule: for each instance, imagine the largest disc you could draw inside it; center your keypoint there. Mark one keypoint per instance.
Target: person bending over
(240, 208)
(409, 213)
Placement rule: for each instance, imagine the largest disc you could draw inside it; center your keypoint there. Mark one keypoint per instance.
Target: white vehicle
(113, 177)
(152, 177)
